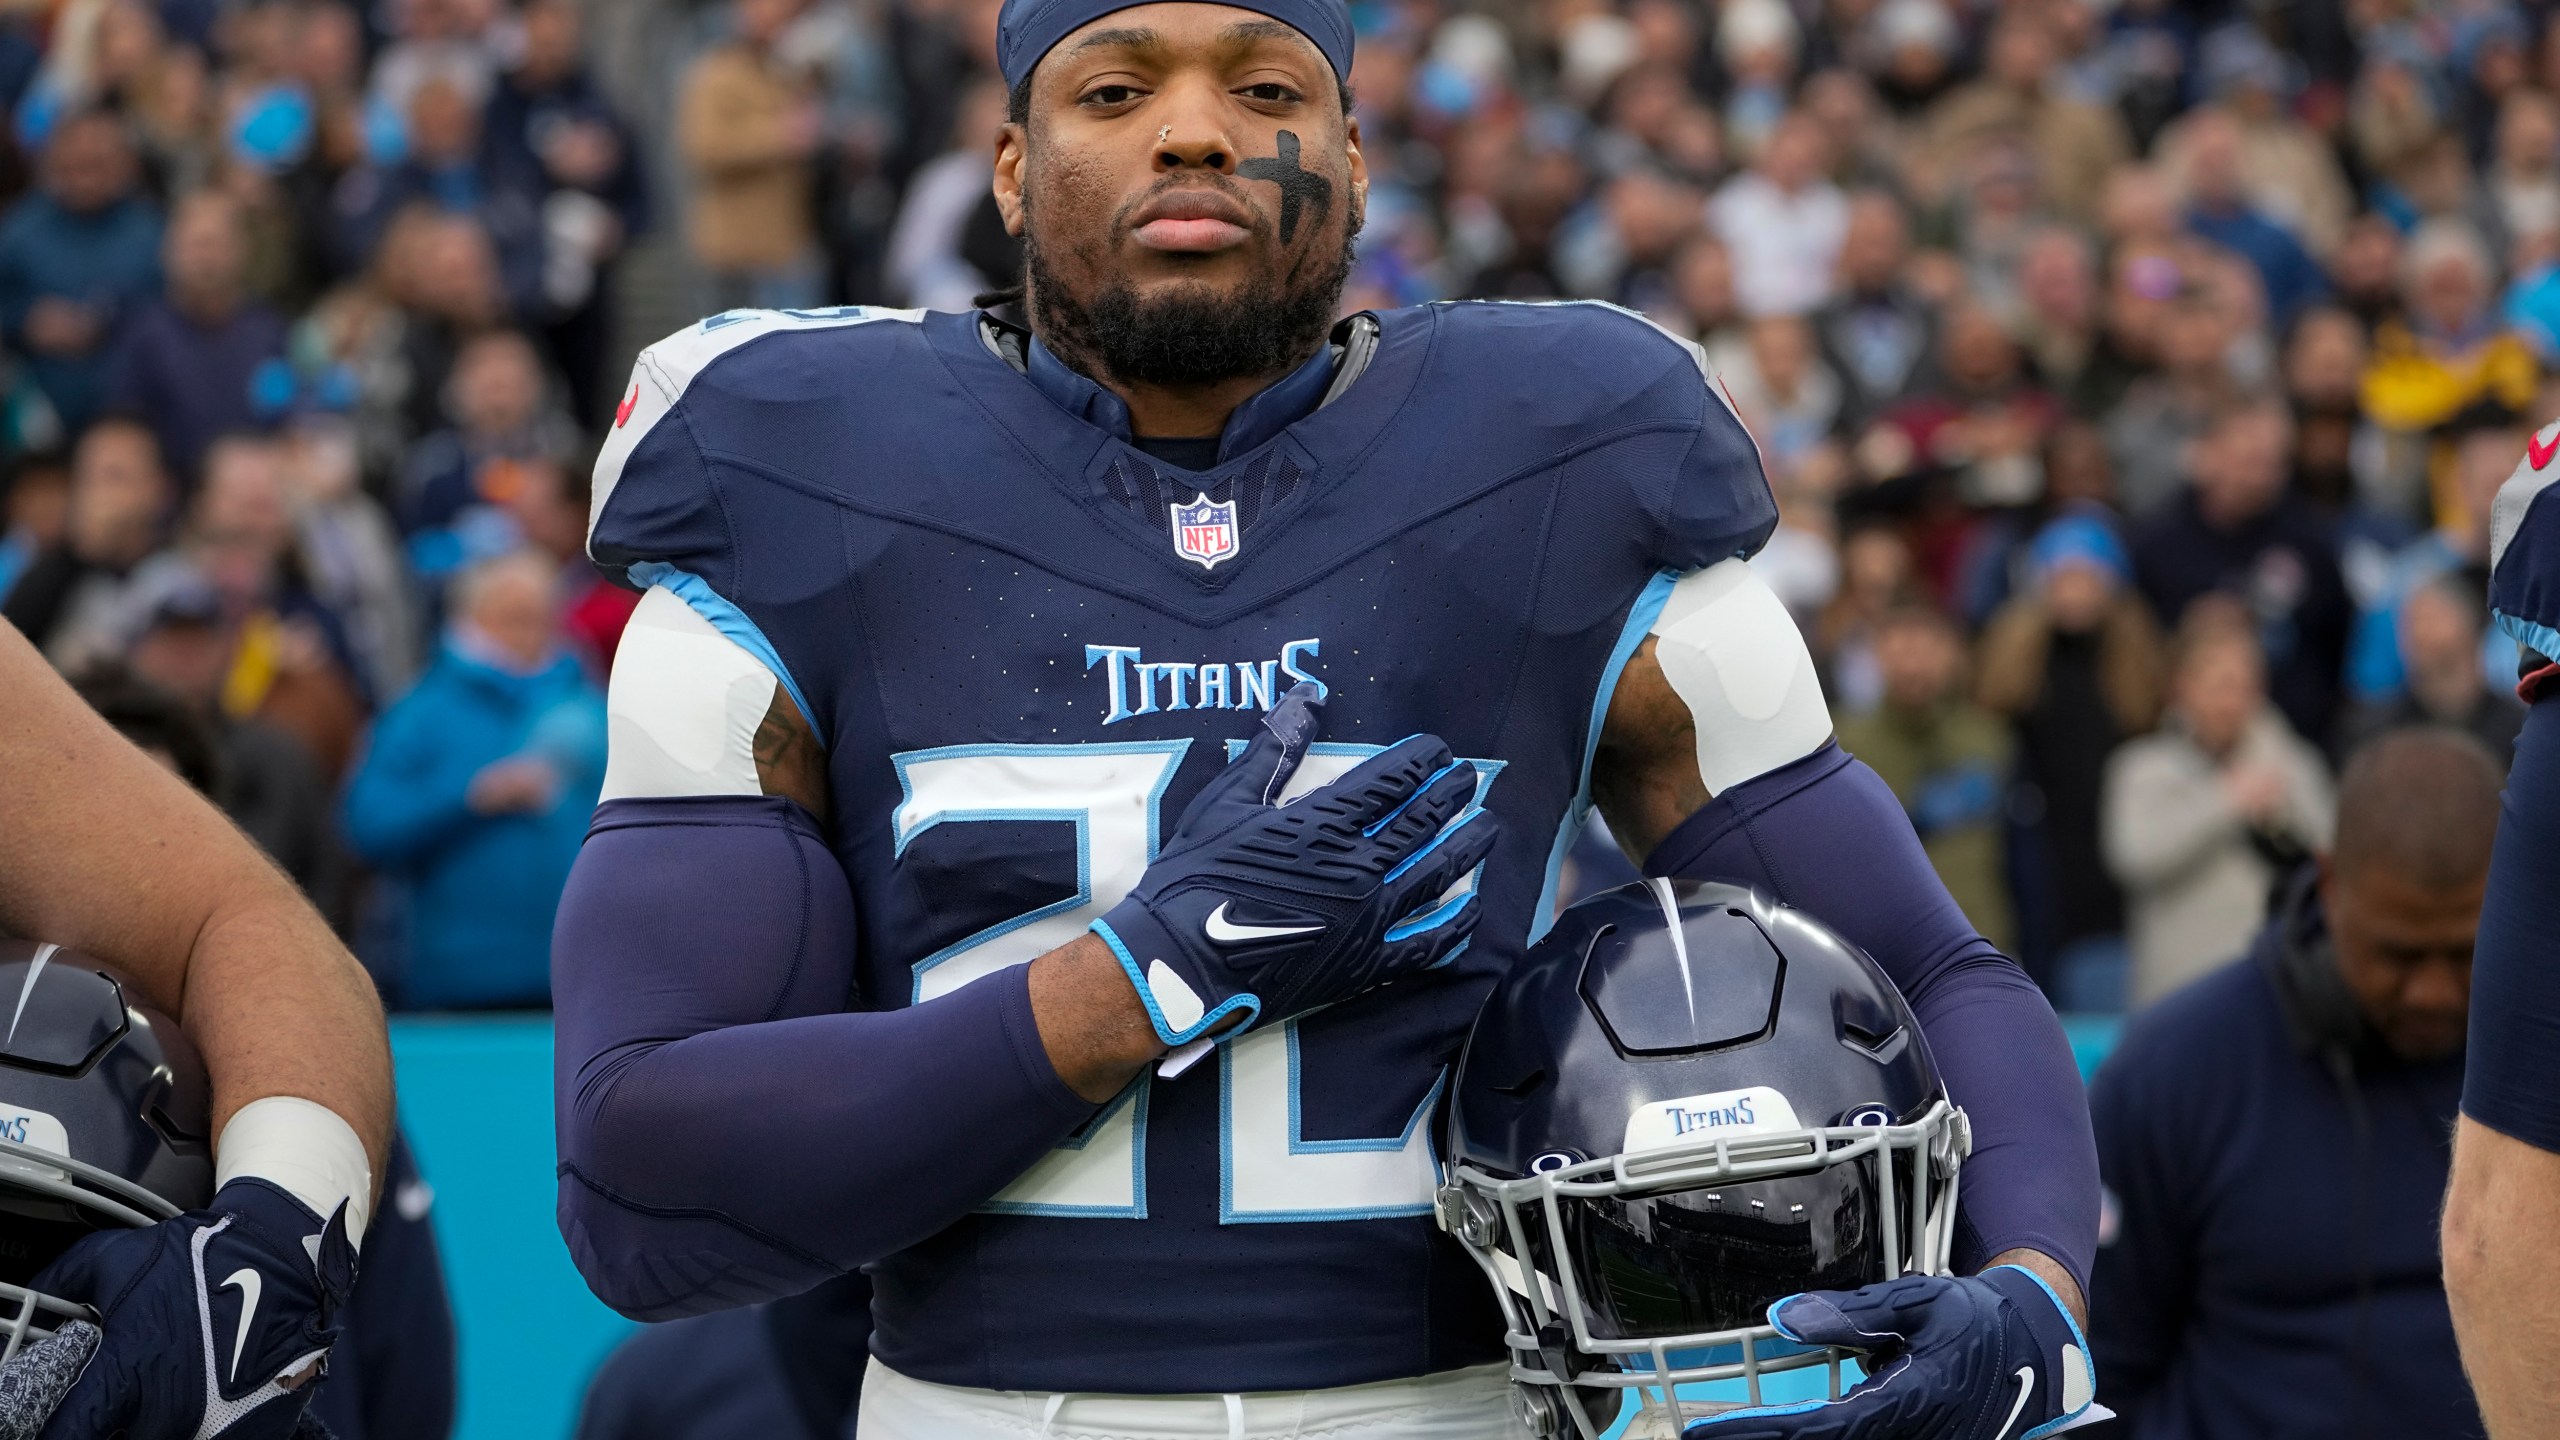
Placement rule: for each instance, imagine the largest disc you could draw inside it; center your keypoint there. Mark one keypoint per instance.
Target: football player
(1023, 701)
(2500, 1271)
(214, 1322)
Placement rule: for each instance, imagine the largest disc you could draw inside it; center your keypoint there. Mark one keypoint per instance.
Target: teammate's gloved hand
(1992, 1356)
(1273, 910)
(212, 1324)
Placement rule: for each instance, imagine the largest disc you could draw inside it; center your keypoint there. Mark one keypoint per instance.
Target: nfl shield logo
(1205, 530)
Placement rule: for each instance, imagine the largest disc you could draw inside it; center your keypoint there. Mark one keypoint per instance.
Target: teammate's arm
(2501, 1272)
(107, 853)
(1715, 760)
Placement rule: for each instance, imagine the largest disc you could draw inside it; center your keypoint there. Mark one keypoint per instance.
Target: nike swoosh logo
(2026, 1380)
(2539, 453)
(1227, 932)
(250, 1284)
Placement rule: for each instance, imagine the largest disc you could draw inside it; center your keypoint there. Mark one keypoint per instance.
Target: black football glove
(212, 1325)
(1272, 910)
(1992, 1356)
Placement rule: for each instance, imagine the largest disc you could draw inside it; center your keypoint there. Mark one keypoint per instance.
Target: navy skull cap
(1026, 29)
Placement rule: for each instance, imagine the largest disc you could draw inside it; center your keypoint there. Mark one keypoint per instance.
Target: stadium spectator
(548, 118)
(68, 599)
(2200, 820)
(2481, 454)
(2074, 664)
(2288, 168)
(941, 255)
(2236, 530)
(2449, 351)
(444, 166)
(497, 411)
(2058, 317)
(1876, 333)
(475, 789)
(2274, 1138)
(75, 257)
(749, 124)
(1784, 222)
(1947, 760)
(348, 551)
(1875, 578)
(33, 510)
(2220, 209)
(2074, 144)
(192, 362)
(184, 648)
(2440, 633)
(2164, 409)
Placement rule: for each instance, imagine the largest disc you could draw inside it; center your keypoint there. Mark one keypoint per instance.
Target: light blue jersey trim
(725, 617)
(2078, 1339)
(1640, 620)
(2539, 638)
(1245, 1001)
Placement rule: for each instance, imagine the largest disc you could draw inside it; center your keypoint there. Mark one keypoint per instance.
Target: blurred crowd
(2133, 375)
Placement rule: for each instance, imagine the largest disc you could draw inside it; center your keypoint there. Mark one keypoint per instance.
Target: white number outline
(1124, 1120)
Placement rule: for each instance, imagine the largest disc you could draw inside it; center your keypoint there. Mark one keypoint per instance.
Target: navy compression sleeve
(730, 1130)
(2515, 965)
(1825, 835)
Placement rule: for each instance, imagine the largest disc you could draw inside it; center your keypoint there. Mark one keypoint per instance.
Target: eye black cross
(1298, 186)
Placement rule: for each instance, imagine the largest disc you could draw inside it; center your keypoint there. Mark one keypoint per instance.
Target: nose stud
(1161, 134)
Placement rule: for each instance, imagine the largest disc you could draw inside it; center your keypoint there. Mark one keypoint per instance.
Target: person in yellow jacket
(2449, 353)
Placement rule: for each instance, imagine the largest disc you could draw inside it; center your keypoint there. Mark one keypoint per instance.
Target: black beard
(1189, 334)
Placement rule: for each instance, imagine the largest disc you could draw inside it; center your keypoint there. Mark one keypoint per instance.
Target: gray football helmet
(104, 1118)
(1685, 1103)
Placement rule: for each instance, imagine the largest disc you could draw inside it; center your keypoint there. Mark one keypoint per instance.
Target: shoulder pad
(661, 375)
(1616, 351)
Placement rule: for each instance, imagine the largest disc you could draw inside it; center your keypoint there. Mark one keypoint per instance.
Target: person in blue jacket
(476, 787)
(2275, 1138)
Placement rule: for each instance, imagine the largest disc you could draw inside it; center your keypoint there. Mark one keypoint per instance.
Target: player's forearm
(1091, 1022)
(1825, 834)
(110, 854)
(2502, 1277)
(729, 1132)
(2052, 1273)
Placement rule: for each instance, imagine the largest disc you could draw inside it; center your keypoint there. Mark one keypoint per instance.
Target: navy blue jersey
(2515, 990)
(1026, 644)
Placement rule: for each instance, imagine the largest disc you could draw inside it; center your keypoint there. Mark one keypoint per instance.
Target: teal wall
(476, 1095)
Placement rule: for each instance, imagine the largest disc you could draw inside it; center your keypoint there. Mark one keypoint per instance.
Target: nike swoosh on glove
(1271, 910)
(213, 1324)
(1992, 1356)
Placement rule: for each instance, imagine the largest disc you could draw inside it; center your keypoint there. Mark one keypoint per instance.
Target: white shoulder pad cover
(682, 710)
(1735, 657)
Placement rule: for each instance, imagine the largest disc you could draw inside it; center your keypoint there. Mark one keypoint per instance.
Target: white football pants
(1470, 1404)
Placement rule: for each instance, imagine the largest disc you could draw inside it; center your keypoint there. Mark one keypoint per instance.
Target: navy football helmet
(1687, 1102)
(105, 1114)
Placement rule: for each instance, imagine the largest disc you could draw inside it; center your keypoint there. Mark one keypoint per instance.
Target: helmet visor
(1687, 1262)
